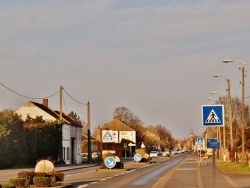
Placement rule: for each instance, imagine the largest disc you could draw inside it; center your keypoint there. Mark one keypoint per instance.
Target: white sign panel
(127, 135)
(115, 137)
(107, 136)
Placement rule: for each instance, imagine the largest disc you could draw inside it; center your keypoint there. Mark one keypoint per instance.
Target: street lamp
(229, 108)
(224, 128)
(243, 100)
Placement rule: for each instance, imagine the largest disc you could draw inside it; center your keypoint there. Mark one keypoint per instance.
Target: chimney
(118, 117)
(46, 102)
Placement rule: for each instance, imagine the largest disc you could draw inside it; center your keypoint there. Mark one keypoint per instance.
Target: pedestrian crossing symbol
(213, 115)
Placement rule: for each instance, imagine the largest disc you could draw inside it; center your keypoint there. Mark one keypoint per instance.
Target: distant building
(116, 136)
(190, 141)
(71, 130)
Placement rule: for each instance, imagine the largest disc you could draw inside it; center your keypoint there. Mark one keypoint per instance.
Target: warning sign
(213, 115)
(213, 118)
(107, 136)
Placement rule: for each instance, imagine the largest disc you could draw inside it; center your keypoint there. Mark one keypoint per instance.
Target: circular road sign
(110, 162)
(137, 157)
(164, 154)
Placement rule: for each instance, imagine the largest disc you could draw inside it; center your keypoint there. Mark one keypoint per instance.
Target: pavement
(190, 173)
(194, 172)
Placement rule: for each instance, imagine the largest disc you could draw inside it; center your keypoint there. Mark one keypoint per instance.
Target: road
(133, 175)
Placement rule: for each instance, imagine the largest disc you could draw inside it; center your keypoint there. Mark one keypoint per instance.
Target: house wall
(75, 134)
(79, 145)
(33, 112)
(66, 145)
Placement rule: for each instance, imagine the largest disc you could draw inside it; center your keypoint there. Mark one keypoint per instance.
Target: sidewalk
(189, 173)
(6, 174)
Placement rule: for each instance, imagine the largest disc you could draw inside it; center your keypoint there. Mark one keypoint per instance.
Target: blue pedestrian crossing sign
(213, 115)
(199, 140)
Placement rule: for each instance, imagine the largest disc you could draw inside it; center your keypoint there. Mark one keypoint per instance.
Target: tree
(75, 117)
(12, 142)
(3, 130)
(45, 140)
(127, 116)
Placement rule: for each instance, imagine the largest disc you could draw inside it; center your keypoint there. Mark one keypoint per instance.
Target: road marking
(186, 169)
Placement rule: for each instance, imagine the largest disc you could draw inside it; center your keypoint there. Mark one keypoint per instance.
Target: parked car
(153, 154)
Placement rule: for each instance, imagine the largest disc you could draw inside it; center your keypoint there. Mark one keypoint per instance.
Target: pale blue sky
(156, 58)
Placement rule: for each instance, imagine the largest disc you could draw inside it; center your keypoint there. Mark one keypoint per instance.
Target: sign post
(125, 146)
(200, 142)
(213, 116)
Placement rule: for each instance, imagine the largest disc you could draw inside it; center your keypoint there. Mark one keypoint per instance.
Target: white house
(71, 130)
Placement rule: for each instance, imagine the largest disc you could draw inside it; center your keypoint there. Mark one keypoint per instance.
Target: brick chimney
(46, 102)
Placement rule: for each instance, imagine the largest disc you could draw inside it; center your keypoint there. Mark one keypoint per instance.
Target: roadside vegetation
(232, 167)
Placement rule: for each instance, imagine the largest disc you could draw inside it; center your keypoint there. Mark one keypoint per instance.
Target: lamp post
(229, 108)
(243, 100)
(224, 128)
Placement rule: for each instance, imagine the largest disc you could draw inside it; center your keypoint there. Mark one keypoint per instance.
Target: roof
(56, 114)
(69, 119)
(117, 125)
(45, 109)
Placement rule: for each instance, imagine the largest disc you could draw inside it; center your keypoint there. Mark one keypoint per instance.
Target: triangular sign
(213, 118)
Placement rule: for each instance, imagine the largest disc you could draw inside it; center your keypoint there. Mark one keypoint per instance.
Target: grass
(234, 168)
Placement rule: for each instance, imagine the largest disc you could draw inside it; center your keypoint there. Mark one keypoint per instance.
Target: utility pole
(243, 110)
(243, 101)
(224, 136)
(89, 135)
(61, 88)
(230, 113)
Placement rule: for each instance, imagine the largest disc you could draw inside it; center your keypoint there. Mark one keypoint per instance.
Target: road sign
(213, 143)
(107, 136)
(110, 162)
(199, 140)
(131, 144)
(164, 154)
(213, 115)
(137, 157)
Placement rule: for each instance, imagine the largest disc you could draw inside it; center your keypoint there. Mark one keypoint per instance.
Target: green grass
(234, 168)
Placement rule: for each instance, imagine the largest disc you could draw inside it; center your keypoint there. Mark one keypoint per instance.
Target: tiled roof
(46, 109)
(70, 120)
(117, 125)
(56, 114)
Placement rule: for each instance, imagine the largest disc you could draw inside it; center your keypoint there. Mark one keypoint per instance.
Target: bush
(17, 182)
(42, 181)
(5, 185)
(59, 176)
(28, 175)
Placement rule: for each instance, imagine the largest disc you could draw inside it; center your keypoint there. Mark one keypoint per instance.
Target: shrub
(17, 182)
(28, 175)
(59, 176)
(42, 181)
(5, 185)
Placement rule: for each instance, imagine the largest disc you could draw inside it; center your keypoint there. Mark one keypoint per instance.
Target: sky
(157, 58)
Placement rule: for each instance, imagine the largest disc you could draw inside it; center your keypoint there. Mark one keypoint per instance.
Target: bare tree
(127, 116)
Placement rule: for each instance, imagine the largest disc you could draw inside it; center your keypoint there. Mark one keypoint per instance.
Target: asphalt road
(133, 175)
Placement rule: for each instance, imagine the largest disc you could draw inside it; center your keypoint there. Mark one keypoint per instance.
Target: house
(116, 136)
(71, 130)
